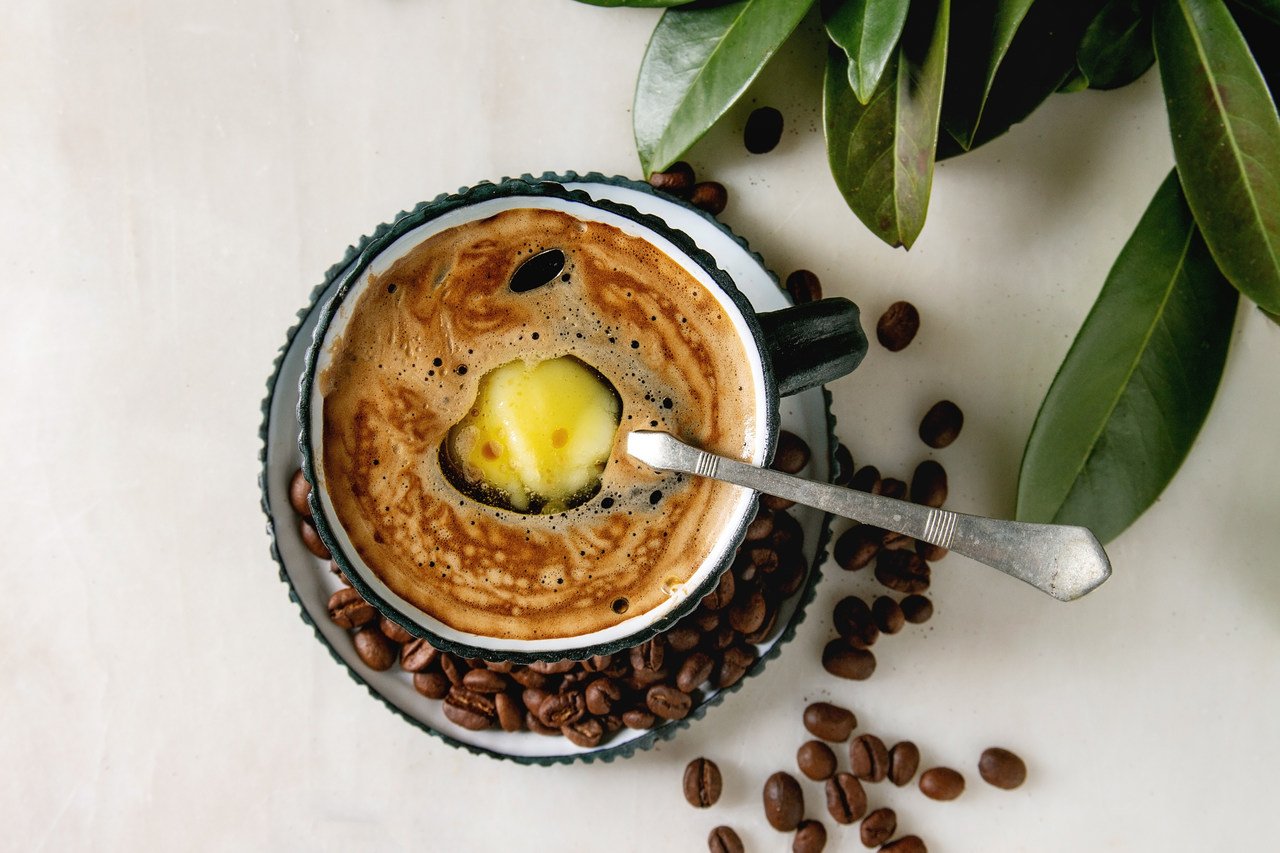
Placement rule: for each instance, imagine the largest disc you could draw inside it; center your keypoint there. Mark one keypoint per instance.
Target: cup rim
(387, 236)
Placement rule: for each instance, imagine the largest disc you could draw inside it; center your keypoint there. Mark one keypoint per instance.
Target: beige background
(174, 178)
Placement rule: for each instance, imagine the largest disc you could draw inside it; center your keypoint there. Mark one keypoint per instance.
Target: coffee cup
(644, 309)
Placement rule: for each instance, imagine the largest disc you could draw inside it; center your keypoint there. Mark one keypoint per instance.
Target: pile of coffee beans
(589, 701)
(679, 180)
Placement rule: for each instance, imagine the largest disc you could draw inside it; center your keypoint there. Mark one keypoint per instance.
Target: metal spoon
(1066, 562)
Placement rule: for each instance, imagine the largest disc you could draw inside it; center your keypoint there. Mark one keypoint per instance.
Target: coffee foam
(407, 367)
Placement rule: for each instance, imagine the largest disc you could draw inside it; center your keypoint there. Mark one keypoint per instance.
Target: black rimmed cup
(788, 350)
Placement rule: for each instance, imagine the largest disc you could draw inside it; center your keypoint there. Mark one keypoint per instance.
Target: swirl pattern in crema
(407, 367)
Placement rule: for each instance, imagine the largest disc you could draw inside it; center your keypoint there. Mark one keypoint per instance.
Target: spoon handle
(1065, 562)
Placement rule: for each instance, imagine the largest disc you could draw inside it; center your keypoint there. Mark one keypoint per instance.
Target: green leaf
(1116, 48)
(882, 154)
(1226, 140)
(1006, 57)
(1136, 385)
(699, 61)
(868, 31)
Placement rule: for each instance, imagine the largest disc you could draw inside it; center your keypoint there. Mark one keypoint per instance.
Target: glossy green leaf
(1006, 57)
(699, 61)
(1226, 140)
(882, 154)
(868, 32)
(1136, 385)
(1116, 48)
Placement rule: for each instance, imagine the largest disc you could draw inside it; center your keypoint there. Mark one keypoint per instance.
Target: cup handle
(813, 343)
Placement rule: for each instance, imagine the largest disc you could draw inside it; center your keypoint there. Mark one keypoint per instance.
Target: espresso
(407, 368)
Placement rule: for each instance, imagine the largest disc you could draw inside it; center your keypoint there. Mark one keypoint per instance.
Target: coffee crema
(407, 366)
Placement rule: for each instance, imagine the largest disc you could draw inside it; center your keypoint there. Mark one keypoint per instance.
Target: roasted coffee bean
(710, 196)
(904, 760)
(533, 697)
(667, 702)
(868, 758)
(586, 733)
(469, 709)
(897, 326)
(892, 487)
(394, 632)
(776, 503)
(677, 180)
(761, 526)
(638, 719)
(598, 663)
(433, 685)
(696, 669)
(722, 596)
(829, 722)
(888, 615)
(765, 631)
(373, 648)
(941, 424)
(851, 616)
(878, 827)
(811, 837)
(510, 713)
(1002, 768)
(418, 655)
(734, 665)
(299, 491)
(601, 695)
(347, 609)
(916, 608)
(804, 287)
(866, 479)
(312, 540)
(792, 570)
(683, 638)
(844, 466)
(724, 840)
(903, 571)
(503, 666)
(929, 551)
(641, 680)
(555, 667)
(941, 783)
(791, 455)
(485, 681)
(702, 783)
(764, 559)
(905, 844)
(612, 723)
(858, 546)
(650, 654)
(336, 570)
(844, 661)
(783, 802)
(748, 612)
(561, 709)
(787, 533)
(929, 484)
(533, 724)
(846, 801)
(763, 130)
(452, 667)
(526, 677)
(816, 760)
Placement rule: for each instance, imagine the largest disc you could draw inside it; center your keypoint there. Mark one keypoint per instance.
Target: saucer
(310, 583)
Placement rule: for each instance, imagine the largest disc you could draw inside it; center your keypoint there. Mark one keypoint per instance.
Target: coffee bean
(417, 655)
(299, 491)
(858, 546)
(905, 844)
(916, 608)
(846, 801)
(638, 719)
(586, 732)
(554, 667)
(811, 837)
(510, 713)
(748, 612)
(702, 783)
(452, 667)
(763, 130)
(1002, 768)
(596, 663)
(929, 484)
(866, 479)
(336, 570)
(433, 685)
(526, 677)
(710, 196)
(394, 632)
(683, 638)
(667, 702)
(373, 648)
(897, 326)
(791, 455)
(804, 287)
(941, 783)
(765, 631)
(902, 571)
(503, 666)
(734, 665)
(844, 661)
(677, 180)
(783, 801)
(761, 526)
(724, 840)
(904, 760)
(776, 503)
(816, 760)
(312, 540)
(892, 487)
(787, 533)
(829, 722)
(854, 621)
(696, 669)
(941, 424)
(650, 654)
(793, 568)
(929, 551)
(722, 596)
(533, 724)
(347, 609)
(612, 723)
(485, 681)
(533, 697)
(722, 637)
(878, 827)
(888, 614)
(601, 695)
(561, 709)
(469, 709)
(869, 758)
